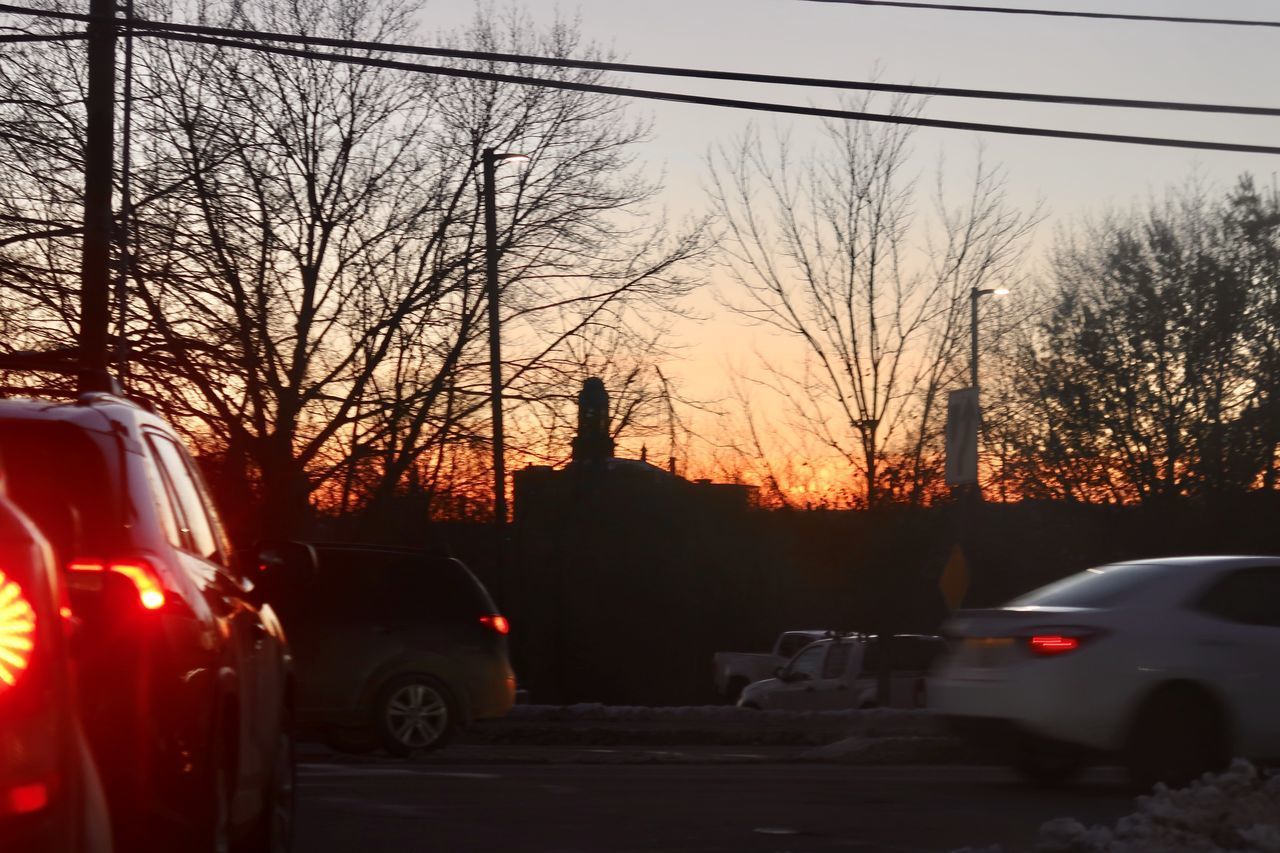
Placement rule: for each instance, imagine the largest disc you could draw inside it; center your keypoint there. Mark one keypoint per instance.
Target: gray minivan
(393, 647)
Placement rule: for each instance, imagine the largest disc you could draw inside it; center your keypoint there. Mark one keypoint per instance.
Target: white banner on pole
(963, 418)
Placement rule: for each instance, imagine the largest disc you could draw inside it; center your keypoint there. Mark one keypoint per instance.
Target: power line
(758, 106)
(1057, 13)
(169, 31)
(7, 39)
(733, 76)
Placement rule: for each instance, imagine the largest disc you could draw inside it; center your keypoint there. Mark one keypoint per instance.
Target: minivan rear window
(57, 474)
(407, 586)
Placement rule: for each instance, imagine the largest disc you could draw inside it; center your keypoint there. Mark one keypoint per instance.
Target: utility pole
(99, 166)
(489, 164)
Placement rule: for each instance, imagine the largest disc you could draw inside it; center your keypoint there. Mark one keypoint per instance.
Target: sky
(1141, 60)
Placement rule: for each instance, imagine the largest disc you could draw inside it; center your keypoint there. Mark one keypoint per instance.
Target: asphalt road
(382, 806)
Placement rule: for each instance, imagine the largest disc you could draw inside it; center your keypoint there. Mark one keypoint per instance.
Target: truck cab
(841, 673)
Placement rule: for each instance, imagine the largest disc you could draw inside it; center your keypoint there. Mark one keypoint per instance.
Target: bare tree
(307, 286)
(1152, 373)
(820, 245)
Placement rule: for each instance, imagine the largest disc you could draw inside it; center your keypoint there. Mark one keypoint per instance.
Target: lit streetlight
(974, 295)
(490, 160)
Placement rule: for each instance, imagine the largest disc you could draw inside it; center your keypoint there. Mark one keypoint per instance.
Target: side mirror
(779, 672)
(280, 564)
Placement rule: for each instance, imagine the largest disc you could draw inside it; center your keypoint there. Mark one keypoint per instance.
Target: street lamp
(974, 295)
(490, 160)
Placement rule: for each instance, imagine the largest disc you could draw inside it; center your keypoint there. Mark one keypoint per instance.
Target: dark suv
(182, 673)
(394, 647)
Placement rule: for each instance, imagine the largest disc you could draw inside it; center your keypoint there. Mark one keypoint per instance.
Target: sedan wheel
(415, 715)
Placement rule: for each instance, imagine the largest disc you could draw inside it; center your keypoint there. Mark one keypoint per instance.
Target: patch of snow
(1236, 811)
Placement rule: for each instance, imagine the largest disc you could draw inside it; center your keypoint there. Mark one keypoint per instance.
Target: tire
(414, 714)
(272, 832)
(1178, 734)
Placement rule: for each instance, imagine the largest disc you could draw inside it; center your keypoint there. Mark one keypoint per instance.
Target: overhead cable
(181, 32)
(695, 73)
(7, 38)
(1058, 13)
(733, 103)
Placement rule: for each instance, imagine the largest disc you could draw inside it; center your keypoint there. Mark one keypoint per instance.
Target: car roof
(1201, 563)
(86, 411)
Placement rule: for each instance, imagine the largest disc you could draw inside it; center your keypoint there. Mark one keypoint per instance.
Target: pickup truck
(841, 672)
(735, 670)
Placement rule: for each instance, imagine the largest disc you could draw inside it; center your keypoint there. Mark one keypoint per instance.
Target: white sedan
(1171, 664)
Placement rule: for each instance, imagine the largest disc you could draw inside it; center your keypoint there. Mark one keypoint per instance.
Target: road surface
(456, 805)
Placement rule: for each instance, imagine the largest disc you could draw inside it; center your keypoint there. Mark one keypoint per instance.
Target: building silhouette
(544, 493)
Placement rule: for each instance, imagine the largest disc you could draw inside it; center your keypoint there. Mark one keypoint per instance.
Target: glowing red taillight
(17, 632)
(1053, 644)
(25, 799)
(141, 573)
(497, 623)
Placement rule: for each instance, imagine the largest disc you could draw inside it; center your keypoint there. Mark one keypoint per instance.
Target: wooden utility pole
(99, 166)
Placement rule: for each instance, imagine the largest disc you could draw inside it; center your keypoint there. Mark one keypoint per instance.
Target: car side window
(162, 497)
(837, 660)
(186, 492)
(1247, 596)
(809, 662)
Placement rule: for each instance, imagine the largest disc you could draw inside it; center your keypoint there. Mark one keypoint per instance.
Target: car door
(835, 689)
(1237, 641)
(337, 634)
(248, 670)
(797, 682)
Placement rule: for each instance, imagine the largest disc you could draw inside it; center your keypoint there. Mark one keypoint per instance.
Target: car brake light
(1053, 644)
(25, 799)
(497, 623)
(141, 573)
(17, 632)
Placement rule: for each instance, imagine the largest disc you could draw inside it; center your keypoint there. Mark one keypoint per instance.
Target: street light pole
(975, 294)
(489, 162)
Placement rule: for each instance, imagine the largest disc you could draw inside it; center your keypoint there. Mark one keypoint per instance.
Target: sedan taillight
(1051, 642)
(496, 622)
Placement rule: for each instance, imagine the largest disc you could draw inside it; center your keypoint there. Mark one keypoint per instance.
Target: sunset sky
(1163, 61)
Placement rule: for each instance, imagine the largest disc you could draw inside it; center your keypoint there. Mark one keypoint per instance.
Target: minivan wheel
(415, 715)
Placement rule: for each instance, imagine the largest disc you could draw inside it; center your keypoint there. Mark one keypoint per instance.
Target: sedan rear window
(1100, 587)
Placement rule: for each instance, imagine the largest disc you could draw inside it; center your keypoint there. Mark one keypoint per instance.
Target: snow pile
(1237, 811)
